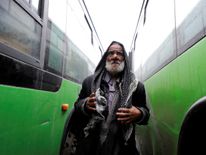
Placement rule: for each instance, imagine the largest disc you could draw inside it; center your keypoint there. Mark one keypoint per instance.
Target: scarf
(127, 87)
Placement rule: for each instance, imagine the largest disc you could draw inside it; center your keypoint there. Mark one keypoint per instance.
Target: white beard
(114, 70)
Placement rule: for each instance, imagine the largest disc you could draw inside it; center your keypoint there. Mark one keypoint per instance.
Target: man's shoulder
(140, 87)
(88, 78)
(141, 84)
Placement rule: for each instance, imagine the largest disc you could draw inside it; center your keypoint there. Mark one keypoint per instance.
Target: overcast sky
(114, 20)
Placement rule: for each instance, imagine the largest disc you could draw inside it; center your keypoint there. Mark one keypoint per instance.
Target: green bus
(46, 49)
(169, 49)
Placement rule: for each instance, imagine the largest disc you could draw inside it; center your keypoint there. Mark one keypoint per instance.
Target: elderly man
(111, 102)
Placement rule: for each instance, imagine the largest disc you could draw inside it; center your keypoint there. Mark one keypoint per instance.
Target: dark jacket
(91, 143)
(120, 138)
(138, 99)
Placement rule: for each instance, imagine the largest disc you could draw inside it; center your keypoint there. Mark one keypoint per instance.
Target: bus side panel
(172, 91)
(32, 120)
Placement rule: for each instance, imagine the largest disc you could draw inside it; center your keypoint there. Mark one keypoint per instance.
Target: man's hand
(91, 102)
(128, 115)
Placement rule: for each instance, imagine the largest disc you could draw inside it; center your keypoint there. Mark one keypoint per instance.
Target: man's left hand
(128, 115)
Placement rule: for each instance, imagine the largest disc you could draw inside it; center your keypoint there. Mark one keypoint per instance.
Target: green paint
(32, 121)
(172, 91)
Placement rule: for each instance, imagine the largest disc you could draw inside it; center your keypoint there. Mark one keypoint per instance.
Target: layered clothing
(100, 133)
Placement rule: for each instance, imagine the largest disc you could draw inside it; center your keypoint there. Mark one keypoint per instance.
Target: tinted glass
(190, 22)
(55, 49)
(77, 65)
(155, 44)
(19, 30)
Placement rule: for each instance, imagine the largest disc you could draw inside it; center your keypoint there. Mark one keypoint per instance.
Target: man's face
(115, 59)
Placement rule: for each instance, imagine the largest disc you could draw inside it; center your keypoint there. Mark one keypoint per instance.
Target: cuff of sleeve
(139, 121)
(83, 108)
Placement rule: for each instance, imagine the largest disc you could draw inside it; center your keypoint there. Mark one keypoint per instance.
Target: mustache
(115, 62)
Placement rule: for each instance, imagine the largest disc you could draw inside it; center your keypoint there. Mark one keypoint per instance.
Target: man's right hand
(91, 103)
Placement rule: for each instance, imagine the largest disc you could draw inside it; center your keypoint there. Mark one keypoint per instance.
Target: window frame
(39, 19)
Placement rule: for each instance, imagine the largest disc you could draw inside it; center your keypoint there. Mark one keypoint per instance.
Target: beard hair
(114, 70)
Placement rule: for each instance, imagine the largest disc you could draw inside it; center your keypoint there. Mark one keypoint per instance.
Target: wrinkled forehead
(115, 47)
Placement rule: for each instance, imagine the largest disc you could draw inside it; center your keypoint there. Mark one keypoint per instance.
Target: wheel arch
(193, 131)
(65, 133)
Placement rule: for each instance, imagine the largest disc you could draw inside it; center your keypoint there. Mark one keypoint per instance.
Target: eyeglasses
(118, 53)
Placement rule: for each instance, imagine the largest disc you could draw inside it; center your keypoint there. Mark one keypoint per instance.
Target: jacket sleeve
(84, 93)
(139, 101)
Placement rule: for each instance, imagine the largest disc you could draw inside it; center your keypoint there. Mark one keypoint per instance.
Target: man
(110, 103)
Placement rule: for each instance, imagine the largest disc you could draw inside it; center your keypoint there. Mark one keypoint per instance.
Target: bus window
(158, 31)
(77, 64)
(58, 13)
(190, 24)
(19, 30)
(33, 5)
(81, 31)
(55, 49)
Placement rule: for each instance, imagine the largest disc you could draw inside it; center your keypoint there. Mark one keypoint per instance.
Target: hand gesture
(128, 115)
(91, 102)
